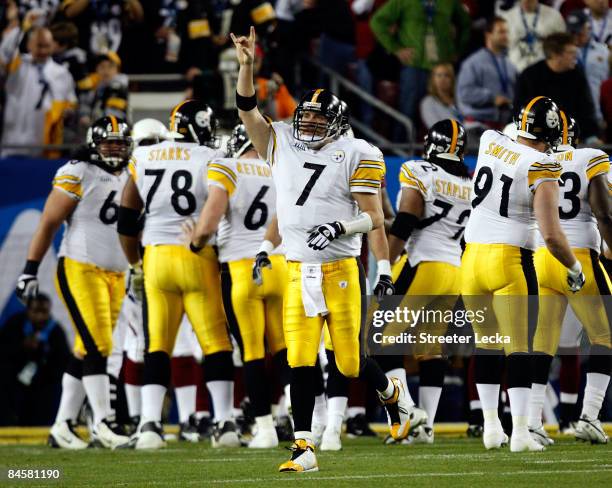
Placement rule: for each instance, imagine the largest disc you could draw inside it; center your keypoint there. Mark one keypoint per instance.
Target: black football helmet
(110, 143)
(194, 121)
(446, 139)
(570, 133)
(238, 142)
(345, 126)
(323, 102)
(539, 120)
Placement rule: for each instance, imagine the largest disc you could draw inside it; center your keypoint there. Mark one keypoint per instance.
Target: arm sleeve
(599, 164)
(369, 172)
(546, 170)
(382, 20)
(69, 179)
(221, 173)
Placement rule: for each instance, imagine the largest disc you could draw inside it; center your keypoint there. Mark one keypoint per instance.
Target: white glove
(575, 277)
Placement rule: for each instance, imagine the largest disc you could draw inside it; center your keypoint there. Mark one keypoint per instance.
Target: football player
(585, 211)
(240, 205)
(90, 274)
(434, 207)
(168, 184)
(326, 196)
(515, 184)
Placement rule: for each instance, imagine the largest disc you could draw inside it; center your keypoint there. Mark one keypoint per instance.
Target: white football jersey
(506, 177)
(577, 220)
(314, 187)
(252, 204)
(171, 180)
(90, 234)
(437, 236)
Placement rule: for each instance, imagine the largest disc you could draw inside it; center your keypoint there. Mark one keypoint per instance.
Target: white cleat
(225, 435)
(418, 418)
(317, 433)
(522, 441)
(331, 440)
(421, 435)
(540, 435)
(303, 459)
(402, 417)
(108, 434)
(63, 436)
(150, 436)
(591, 431)
(494, 437)
(264, 439)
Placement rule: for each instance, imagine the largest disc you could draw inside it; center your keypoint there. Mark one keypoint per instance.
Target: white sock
(303, 434)
(519, 406)
(185, 401)
(489, 395)
(319, 413)
(475, 405)
(429, 397)
(133, 397)
(265, 422)
(536, 405)
(594, 394)
(285, 405)
(222, 395)
(73, 396)
(152, 402)
(400, 374)
(201, 414)
(336, 406)
(97, 387)
(354, 411)
(571, 398)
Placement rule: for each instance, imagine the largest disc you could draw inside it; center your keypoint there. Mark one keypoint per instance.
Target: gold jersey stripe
(226, 169)
(602, 168)
(222, 178)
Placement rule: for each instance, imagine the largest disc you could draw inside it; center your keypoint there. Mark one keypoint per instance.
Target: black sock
(337, 383)
(257, 386)
(282, 367)
(371, 372)
(431, 372)
(302, 397)
(156, 368)
(319, 382)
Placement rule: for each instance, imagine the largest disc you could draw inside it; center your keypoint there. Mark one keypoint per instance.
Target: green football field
(362, 462)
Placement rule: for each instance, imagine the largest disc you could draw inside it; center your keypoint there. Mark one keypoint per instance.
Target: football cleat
(284, 429)
(63, 436)
(474, 430)
(264, 439)
(331, 440)
(494, 437)
(522, 441)
(150, 436)
(109, 434)
(302, 460)
(569, 428)
(317, 433)
(358, 426)
(225, 435)
(590, 430)
(188, 431)
(399, 422)
(205, 427)
(541, 436)
(421, 435)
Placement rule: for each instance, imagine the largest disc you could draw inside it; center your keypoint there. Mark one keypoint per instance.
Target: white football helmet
(149, 130)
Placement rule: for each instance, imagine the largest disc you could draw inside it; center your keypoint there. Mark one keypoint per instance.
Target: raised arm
(258, 129)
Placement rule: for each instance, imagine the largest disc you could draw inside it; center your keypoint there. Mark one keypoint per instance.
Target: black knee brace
(157, 368)
(94, 364)
(518, 370)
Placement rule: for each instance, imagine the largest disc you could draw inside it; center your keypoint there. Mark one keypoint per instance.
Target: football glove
(384, 287)
(321, 235)
(261, 261)
(136, 282)
(575, 280)
(27, 288)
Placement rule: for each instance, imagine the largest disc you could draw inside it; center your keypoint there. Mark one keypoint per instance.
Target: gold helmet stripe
(114, 123)
(526, 112)
(565, 127)
(455, 135)
(316, 95)
(173, 114)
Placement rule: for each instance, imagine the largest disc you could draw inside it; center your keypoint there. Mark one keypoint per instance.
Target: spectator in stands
(529, 22)
(559, 78)
(485, 86)
(39, 94)
(273, 97)
(593, 56)
(33, 355)
(439, 104)
(600, 18)
(605, 102)
(420, 34)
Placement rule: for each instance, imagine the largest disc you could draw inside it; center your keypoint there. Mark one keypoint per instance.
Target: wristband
(384, 267)
(31, 267)
(245, 103)
(266, 246)
(128, 222)
(575, 268)
(403, 225)
(195, 249)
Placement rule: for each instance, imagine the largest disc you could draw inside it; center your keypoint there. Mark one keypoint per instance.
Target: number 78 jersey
(506, 177)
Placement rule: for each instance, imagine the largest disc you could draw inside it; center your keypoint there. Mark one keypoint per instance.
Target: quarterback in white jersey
(585, 211)
(90, 274)
(514, 186)
(168, 187)
(327, 193)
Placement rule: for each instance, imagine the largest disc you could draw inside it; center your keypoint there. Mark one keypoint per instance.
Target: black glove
(261, 261)
(384, 287)
(320, 236)
(575, 280)
(27, 287)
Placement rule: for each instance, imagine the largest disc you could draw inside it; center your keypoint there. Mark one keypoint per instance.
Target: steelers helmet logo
(338, 156)
(202, 119)
(552, 119)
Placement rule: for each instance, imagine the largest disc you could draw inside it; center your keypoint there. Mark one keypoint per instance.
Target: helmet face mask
(318, 118)
(110, 143)
(238, 142)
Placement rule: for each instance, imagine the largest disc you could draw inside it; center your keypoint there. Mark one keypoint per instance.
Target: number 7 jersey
(506, 177)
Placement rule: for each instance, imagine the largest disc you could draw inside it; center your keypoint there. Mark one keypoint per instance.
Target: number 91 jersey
(249, 185)
(90, 235)
(446, 211)
(171, 180)
(506, 177)
(314, 187)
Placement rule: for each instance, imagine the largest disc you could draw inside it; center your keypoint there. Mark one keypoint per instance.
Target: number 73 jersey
(506, 177)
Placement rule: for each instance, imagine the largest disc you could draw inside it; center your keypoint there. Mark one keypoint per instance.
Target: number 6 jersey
(249, 185)
(505, 180)
(171, 180)
(314, 187)
(90, 235)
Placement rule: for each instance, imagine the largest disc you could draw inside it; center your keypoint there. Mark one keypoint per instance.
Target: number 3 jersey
(249, 185)
(90, 234)
(447, 209)
(171, 180)
(314, 187)
(506, 177)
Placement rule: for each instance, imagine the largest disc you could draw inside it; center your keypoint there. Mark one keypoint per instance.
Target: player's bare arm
(256, 125)
(210, 216)
(387, 207)
(272, 240)
(272, 232)
(380, 248)
(128, 224)
(410, 211)
(599, 200)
